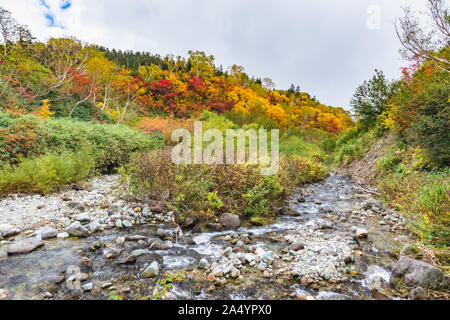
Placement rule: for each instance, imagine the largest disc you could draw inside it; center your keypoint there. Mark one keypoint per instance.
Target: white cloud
(323, 45)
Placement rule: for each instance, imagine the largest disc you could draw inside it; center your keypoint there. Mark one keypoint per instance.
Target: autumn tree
(201, 65)
(425, 42)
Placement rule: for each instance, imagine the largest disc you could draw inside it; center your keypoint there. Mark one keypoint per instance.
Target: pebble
(151, 271)
(4, 294)
(87, 287)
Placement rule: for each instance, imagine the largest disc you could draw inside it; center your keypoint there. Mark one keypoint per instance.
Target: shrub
(111, 145)
(425, 199)
(207, 190)
(45, 173)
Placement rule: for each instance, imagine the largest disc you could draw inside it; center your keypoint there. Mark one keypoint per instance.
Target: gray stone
(77, 230)
(47, 233)
(24, 246)
(6, 230)
(158, 244)
(95, 226)
(119, 224)
(151, 271)
(361, 233)
(62, 235)
(139, 252)
(83, 217)
(203, 264)
(87, 286)
(230, 221)
(418, 293)
(413, 273)
(4, 294)
(120, 240)
(127, 224)
(296, 246)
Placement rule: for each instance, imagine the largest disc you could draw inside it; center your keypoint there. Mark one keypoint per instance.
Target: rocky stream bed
(332, 241)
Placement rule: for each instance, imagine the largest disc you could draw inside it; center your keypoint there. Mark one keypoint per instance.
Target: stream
(333, 242)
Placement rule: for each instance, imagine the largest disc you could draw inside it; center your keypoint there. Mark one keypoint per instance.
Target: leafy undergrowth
(46, 173)
(205, 191)
(41, 155)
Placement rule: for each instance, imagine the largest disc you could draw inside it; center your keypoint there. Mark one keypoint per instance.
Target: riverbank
(336, 243)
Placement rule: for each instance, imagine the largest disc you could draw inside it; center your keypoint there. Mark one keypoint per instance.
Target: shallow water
(31, 276)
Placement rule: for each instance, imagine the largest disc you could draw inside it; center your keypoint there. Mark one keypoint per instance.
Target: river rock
(77, 230)
(95, 226)
(4, 294)
(158, 244)
(6, 230)
(83, 217)
(296, 246)
(151, 271)
(139, 252)
(127, 224)
(24, 246)
(418, 293)
(415, 273)
(62, 235)
(47, 233)
(87, 287)
(203, 264)
(361, 233)
(230, 221)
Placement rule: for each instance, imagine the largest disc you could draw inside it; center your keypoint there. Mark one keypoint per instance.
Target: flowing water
(334, 201)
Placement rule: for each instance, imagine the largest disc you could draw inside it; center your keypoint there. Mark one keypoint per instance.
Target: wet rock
(418, 293)
(135, 237)
(6, 230)
(158, 244)
(63, 235)
(95, 226)
(47, 233)
(301, 199)
(162, 233)
(296, 246)
(87, 287)
(372, 204)
(24, 246)
(186, 240)
(127, 224)
(415, 273)
(203, 264)
(4, 294)
(77, 230)
(139, 252)
(377, 283)
(151, 271)
(230, 221)
(120, 240)
(128, 260)
(286, 211)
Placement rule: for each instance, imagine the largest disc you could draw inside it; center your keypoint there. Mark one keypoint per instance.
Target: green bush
(111, 145)
(46, 173)
(204, 191)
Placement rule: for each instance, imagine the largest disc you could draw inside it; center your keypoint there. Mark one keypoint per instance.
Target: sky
(327, 47)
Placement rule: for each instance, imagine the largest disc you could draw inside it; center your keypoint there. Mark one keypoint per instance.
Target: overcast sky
(327, 47)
